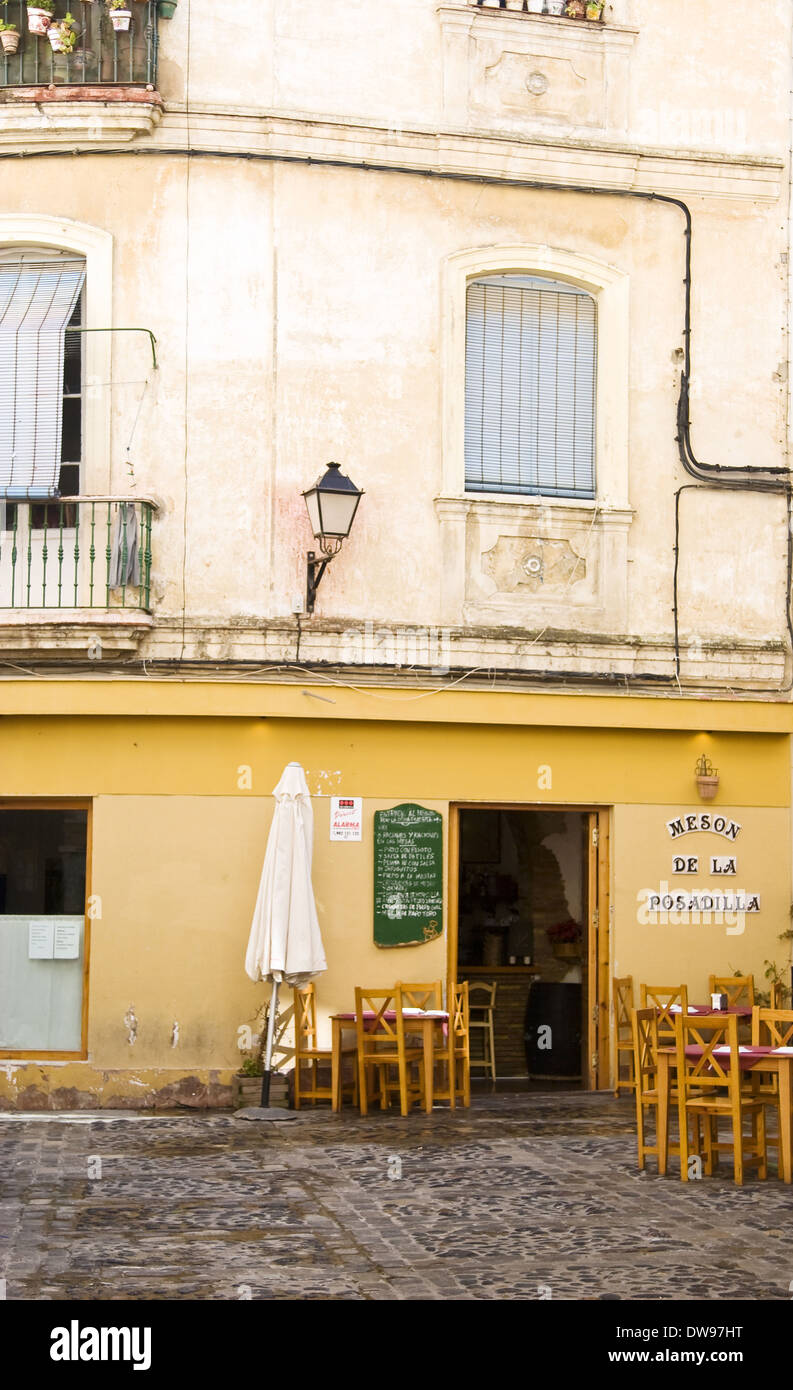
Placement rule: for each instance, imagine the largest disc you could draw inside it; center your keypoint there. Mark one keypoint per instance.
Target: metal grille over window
(37, 300)
(530, 371)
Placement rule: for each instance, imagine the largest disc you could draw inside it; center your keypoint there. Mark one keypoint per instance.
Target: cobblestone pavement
(520, 1195)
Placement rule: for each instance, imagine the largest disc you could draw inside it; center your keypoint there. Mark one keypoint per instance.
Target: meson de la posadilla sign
(703, 820)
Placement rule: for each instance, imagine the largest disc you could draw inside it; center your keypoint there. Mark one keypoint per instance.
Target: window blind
(36, 302)
(530, 375)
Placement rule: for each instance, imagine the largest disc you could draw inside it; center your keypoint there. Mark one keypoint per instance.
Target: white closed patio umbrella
(285, 944)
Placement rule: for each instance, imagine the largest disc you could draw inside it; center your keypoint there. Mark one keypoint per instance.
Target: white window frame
(610, 289)
(95, 246)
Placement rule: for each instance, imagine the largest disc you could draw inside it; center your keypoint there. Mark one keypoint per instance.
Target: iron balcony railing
(76, 552)
(101, 55)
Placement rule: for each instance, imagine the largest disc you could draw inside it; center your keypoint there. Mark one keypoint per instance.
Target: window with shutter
(40, 374)
(530, 380)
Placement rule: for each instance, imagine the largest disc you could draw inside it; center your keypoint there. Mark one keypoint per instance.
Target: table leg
(785, 1120)
(664, 1070)
(427, 1028)
(335, 1065)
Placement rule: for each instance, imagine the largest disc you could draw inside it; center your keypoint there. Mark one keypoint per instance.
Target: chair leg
(491, 1032)
(363, 1097)
(403, 1087)
(640, 1132)
(297, 1083)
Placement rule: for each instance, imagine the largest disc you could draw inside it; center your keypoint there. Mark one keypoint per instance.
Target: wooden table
(414, 1023)
(766, 1060)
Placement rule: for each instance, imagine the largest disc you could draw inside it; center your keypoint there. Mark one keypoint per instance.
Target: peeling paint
(175, 1034)
(131, 1024)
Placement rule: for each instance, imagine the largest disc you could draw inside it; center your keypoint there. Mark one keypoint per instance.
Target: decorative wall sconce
(707, 778)
(332, 503)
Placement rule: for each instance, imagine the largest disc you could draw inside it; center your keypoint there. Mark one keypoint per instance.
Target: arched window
(530, 384)
(41, 385)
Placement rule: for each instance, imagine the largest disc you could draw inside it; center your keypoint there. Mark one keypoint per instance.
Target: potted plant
(515, 4)
(9, 37)
(62, 35)
(120, 16)
(707, 778)
(594, 11)
(40, 17)
(556, 6)
(166, 9)
(535, 6)
(575, 9)
(565, 939)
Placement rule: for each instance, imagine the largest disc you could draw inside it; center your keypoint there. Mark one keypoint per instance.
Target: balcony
(103, 88)
(75, 575)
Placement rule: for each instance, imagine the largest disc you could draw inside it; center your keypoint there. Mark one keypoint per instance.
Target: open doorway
(529, 887)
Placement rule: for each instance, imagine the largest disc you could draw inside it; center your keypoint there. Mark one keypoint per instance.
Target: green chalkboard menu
(408, 875)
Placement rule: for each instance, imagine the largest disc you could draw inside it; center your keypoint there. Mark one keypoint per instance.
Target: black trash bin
(553, 1055)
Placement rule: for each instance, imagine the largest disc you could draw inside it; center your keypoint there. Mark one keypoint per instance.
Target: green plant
(7, 28)
(251, 1066)
(48, 5)
(117, 4)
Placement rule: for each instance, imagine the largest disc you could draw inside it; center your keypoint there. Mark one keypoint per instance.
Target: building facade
(526, 277)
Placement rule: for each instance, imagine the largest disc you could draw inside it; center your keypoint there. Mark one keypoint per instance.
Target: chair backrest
(305, 1017)
(772, 1027)
(458, 1014)
(777, 995)
(378, 1027)
(422, 996)
(644, 1026)
(622, 994)
(712, 1067)
(669, 1001)
(739, 989)
(480, 987)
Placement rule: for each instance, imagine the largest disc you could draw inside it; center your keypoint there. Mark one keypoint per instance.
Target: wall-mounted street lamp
(332, 503)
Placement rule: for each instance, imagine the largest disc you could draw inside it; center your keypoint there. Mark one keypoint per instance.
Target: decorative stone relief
(534, 565)
(535, 72)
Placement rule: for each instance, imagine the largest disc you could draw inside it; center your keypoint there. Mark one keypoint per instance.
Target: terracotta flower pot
(120, 19)
(707, 787)
(60, 39)
(575, 9)
(39, 21)
(594, 13)
(10, 41)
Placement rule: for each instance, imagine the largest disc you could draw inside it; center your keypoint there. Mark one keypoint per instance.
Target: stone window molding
(518, 561)
(96, 247)
(611, 290)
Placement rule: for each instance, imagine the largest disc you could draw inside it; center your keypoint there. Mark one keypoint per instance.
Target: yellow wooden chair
(622, 994)
(481, 1018)
(739, 989)
(309, 1057)
(422, 996)
(381, 1045)
(644, 1031)
(668, 1001)
(453, 1054)
(770, 1028)
(709, 1088)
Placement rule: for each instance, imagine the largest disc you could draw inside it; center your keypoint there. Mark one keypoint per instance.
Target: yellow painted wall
(178, 845)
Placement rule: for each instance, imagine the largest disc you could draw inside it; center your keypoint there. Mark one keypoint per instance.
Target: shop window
(530, 382)
(42, 918)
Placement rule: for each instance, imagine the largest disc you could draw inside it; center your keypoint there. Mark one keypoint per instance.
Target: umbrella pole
(268, 1051)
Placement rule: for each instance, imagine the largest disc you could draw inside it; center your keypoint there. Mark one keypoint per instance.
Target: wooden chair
(454, 1052)
(770, 1028)
(481, 1017)
(739, 989)
(622, 994)
(669, 1001)
(709, 1087)
(308, 1055)
(381, 1045)
(776, 996)
(644, 1035)
(423, 996)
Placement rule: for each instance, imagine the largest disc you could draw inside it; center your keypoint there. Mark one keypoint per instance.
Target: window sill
(43, 114)
(520, 507)
(70, 632)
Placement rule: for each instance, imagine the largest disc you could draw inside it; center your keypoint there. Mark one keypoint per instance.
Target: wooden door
(597, 1004)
